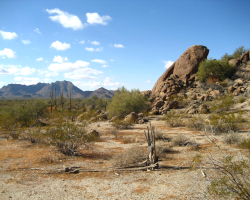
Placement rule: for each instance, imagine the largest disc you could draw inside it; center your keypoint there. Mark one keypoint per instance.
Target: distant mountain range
(42, 90)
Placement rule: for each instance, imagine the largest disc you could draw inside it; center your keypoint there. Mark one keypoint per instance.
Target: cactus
(55, 100)
(51, 100)
(61, 100)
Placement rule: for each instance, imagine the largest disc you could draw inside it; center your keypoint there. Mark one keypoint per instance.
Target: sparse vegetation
(179, 140)
(232, 138)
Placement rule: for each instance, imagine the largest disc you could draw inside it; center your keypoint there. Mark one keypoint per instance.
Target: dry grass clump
(115, 132)
(179, 140)
(162, 149)
(131, 156)
(195, 123)
(242, 99)
(173, 119)
(232, 138)
(51, 158)
(121, 124)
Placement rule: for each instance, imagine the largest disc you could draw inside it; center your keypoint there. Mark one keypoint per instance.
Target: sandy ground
(26, 173)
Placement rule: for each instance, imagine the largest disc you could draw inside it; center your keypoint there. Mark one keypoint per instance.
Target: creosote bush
(67, 137)
(125, 102)
(215, 69)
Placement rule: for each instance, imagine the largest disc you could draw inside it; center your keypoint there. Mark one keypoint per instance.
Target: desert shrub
(234, 182)
(122, 124)
(232, 138)
(222, 104)
(237, 54)
(226, 122)
(242, 99)
(159, 135)
(173, 119)
(216, 69)
(179, 140)
(195, 123)
(88, 115)
(115, 132)
(162, 149)
(130, 157)
(125, 102)
(67, 137)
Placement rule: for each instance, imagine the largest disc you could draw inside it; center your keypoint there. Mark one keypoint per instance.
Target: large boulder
(183, 69)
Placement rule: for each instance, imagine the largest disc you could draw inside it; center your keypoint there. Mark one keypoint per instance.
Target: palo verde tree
(125, 102)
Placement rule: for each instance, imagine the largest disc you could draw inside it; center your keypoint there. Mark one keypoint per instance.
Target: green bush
(125, 102)
(237, 54)
(215, 69)
(67, 137)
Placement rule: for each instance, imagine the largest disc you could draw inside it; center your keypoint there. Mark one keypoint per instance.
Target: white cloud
(95, 43)
(65, 19)
(118, 46)
(16, 70)
(167, 63)
(95, 18)
(112, 60)
(8, 52)
(46, 80)
(50, 74)
(39, 59)
(96, 84)
(25, 41)
(147, 81)
(83, 73)
(60, 59)
(37, 31)
(90, 49)
(8, 35)
(82, 42)
(104, 66)
(60, 46)
(93, 49)
(99, 61)
(27, 81)
(68, 66)
(98, 49)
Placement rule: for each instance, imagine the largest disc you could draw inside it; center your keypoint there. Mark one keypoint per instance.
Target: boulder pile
(179, 75)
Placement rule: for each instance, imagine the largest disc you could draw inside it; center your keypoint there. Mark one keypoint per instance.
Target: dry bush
(51, 159)
(223, 123)
(173, 119)
(121, 124)
(195, 123)
(162, 149)
(242, 99)
(115, 132)
(130, 157)
(232, 138)
(179, 140)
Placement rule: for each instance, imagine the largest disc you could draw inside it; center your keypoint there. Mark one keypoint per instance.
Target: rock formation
(184, 68)
(178, 76)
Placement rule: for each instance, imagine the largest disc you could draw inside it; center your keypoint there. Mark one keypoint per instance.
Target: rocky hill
(180, 80)
(42, 90)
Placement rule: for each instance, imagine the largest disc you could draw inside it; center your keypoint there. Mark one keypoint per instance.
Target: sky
(112, 43)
